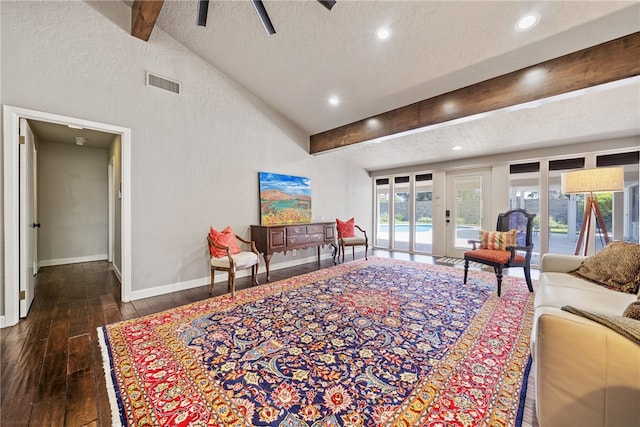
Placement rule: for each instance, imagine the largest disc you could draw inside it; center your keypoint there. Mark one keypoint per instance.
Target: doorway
(468, 208)
(12, 254)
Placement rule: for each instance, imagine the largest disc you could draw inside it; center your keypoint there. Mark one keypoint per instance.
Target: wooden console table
(287, 237)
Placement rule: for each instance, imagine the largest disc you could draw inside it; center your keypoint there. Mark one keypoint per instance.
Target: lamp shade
(599, 180)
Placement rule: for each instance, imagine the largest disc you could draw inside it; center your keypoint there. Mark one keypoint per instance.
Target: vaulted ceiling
(435, 48)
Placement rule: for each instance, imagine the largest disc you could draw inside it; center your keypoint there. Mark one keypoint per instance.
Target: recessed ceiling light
(80, 140)
(527, 22)
(456, 148)
(383, 33)
(334, 100)
(74, 127)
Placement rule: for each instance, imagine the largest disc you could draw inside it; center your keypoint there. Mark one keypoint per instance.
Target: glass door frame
(390, 235)
(487, 220)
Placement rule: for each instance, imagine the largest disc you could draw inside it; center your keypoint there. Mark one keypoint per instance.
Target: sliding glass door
(401, 213)
(404, 213)
(524, 193)
(381, 239)
(466, 211)
(423, 213)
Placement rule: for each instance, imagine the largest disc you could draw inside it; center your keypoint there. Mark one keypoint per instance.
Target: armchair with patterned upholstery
(509, 246)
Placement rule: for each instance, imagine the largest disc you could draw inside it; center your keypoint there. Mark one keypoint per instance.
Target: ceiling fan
(203, 9)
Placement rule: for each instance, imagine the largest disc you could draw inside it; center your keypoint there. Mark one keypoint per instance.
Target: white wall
(72, 195)
(195, 156)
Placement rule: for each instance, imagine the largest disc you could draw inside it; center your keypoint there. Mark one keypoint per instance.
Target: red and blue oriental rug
(367, 343)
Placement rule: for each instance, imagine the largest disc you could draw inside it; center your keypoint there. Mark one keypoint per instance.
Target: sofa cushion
(616, 266)
(498, 240)
(589, 296)
(570, 281)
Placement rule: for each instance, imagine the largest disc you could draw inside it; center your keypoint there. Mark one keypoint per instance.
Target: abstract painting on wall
(284, 199)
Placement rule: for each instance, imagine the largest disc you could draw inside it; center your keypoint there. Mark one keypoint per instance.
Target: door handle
(36, 225)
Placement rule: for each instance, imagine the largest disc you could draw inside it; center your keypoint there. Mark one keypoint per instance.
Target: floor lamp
(599, 180)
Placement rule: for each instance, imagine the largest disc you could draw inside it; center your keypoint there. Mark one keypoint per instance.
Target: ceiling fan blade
(203, 8)
(327, 3)
(264, 16)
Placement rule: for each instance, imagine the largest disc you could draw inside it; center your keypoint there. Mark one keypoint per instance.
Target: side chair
(509, 246)
(227, 255)
(347, 237)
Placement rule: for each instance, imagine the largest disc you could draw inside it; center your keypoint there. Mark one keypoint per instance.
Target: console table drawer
(315, 229)
(304, 239)
(296, 230)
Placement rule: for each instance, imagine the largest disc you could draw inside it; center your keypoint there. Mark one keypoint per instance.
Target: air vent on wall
(162, 83)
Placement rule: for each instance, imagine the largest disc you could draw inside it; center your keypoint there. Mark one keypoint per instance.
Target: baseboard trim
(75, 260)
(219, 278)
(116, 271)
(3, 322)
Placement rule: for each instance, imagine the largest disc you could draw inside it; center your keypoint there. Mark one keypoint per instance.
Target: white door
(468, 208)
(28, 217)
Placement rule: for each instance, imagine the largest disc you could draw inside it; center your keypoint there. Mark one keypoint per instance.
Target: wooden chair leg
(466, 270)
(254, 274)
(353, 252)
(527, 277)
(212, 281)
(366, 248)
(498, 271)
(232, 282)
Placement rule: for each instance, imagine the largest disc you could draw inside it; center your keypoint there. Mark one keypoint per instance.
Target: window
(401, 214)
(620, 209)
(423, 213)
(524, 193)
(382, 213)
(565, 210)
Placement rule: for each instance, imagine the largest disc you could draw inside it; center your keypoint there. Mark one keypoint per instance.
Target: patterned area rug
(367, 343)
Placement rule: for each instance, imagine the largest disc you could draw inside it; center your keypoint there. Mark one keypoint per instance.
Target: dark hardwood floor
(51, 365)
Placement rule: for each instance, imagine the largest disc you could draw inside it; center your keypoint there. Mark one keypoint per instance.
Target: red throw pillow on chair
(225, 237)
(346, 228)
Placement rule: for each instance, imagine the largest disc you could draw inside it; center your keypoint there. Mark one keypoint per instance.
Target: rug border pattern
(413, 410)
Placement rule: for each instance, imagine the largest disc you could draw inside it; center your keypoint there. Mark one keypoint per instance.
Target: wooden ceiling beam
(144, 14)
(614, 60)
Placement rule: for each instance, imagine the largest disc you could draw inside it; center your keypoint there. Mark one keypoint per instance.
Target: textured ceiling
(435, 47)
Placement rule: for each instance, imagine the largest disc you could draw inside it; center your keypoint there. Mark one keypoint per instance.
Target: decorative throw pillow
(633, 310)
(346, 228)
(616, 266)
(226, 238)
(497, 239)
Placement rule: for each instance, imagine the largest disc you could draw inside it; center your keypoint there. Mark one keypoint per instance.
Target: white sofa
(586, 373)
